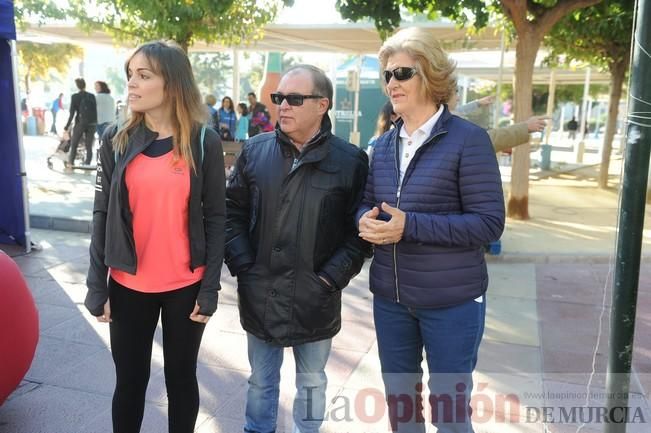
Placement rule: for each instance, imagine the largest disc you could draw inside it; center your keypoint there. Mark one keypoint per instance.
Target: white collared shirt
(410, 144)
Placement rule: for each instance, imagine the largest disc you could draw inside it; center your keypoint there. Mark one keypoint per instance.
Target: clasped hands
(380, 232)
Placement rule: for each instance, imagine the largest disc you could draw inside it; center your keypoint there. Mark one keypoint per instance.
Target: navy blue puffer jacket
(452, 196)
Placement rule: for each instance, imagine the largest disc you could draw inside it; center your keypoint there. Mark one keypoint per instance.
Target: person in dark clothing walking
(158, 234)
(83, 110)
(572, 127)
(292, 243)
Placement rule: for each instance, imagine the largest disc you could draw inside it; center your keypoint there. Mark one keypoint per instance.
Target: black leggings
(134, 318)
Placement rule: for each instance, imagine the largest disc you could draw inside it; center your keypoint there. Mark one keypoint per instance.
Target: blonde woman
(433, 199)
(158, 234)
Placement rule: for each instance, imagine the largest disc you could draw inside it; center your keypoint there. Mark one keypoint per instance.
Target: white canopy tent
(478, 55)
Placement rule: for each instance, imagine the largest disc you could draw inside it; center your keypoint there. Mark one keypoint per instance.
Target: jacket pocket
(318, 307)
(325, 176)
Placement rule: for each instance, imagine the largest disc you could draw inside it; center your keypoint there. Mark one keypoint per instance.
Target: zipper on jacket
(395, 258)
(199, 169)
(398, 192)
(128, 227)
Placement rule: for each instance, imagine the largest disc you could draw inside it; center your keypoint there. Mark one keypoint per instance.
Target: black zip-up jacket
(90, 117)
(288, 224)
(112, 243)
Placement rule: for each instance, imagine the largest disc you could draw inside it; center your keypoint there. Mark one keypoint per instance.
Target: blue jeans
(264, 385)
(450, 337)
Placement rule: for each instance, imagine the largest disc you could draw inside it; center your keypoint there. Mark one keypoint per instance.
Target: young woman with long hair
(158, 234)
(227, 118)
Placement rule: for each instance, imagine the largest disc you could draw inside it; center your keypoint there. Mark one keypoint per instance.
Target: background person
(506, 137)
(572, 127)
(430, 206)
(213, 116)
(158, 234)
(83, 109)
(57, 105)
(472, 106)
(385, 121)
(292, 243)
(227, 119)
(105, 107)
(242, 129)
(259, 116)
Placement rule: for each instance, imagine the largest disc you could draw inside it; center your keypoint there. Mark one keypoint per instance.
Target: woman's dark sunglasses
(292, 99)
(402, 73)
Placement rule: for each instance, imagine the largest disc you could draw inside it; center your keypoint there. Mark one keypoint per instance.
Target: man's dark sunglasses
(402, 73)
(292, 99)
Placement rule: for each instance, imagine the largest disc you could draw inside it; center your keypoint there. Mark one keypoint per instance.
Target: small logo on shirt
(177, 170)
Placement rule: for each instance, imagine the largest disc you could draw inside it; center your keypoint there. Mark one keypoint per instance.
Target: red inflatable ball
(18, 326)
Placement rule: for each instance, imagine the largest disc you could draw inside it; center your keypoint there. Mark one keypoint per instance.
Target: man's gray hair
(322, 84)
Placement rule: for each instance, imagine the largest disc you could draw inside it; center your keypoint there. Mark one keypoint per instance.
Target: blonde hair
(168, 60)
(432, 63)
(210, 100)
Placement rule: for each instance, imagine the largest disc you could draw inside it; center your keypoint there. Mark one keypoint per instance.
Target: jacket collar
(314, 150)
(139, 139)
(439, 126)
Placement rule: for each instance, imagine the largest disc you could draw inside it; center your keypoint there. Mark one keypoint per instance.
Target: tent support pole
(21, 148)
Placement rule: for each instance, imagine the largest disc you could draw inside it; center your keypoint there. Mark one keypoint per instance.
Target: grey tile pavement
(536, 340)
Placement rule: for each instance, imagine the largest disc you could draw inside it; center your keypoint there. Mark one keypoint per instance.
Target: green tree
(529, 21)
(564, 93)
(574, 92)
(599, 35)
(251, 78)
(212, 72)
(117, 81)
(226, 22)
(214, 21)
(36, 11)
(37, 60)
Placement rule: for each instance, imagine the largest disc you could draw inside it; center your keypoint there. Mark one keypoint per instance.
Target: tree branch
(92, 24)
(551, 16)
(515, 10)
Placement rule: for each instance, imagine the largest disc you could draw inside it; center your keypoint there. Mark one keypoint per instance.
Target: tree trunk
(617, 75)
(527, 46)
(27, 79)
(184, 44)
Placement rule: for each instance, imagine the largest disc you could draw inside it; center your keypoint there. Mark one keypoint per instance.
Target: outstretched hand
(486, 100)
(537, 123)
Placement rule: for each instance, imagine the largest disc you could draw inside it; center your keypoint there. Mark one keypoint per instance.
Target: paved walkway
(546, 316)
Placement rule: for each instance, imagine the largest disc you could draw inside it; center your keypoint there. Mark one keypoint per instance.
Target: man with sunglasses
(292, 242)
